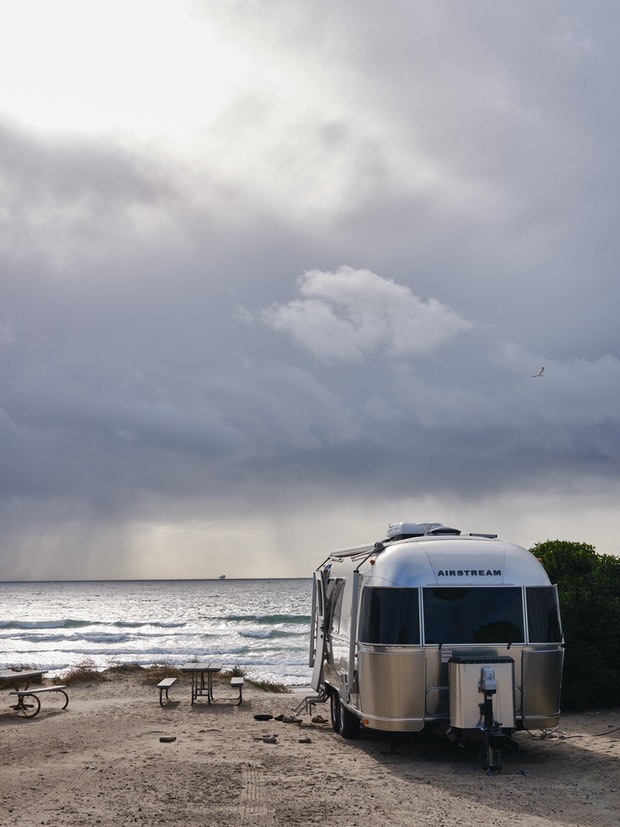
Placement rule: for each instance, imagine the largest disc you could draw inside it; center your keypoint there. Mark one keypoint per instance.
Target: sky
(275, 274)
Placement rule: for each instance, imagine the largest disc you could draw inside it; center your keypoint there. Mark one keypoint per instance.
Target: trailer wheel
(349, 723)
(334, 708)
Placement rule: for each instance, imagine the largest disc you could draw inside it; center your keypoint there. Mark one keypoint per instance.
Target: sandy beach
(101, 761)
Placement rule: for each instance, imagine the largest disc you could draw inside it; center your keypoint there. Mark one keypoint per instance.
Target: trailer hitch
(494, 738)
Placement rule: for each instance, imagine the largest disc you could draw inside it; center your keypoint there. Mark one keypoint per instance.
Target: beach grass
(85, 672)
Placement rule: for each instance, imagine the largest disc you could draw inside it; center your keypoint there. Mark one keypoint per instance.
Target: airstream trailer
(431, 628)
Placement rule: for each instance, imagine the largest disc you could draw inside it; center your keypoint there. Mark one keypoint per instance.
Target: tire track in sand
(252, 809)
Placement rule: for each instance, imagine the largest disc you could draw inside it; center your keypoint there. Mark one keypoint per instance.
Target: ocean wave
(272, 633)
(122, 624)
(261, 626)
(70, 623)
(44, 624)
(266, 619)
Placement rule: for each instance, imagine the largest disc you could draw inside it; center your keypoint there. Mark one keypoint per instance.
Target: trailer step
(309, 701)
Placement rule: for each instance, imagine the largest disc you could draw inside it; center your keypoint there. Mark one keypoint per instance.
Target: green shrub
(589, 591)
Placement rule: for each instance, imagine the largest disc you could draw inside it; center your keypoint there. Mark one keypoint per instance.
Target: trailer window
(478, 615)
(333, 604)
(389, 616)
(543, 614)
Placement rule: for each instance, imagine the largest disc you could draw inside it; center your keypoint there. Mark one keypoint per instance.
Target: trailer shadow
(564, 778)
(431, 748)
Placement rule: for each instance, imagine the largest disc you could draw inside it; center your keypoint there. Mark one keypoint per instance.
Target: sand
(101, 762)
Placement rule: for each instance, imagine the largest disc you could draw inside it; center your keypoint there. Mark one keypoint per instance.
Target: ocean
(261, 626)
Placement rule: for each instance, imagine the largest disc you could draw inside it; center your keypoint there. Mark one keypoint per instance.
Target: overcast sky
(274, 274)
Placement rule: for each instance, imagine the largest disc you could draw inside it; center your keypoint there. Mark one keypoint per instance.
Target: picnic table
(20, 678)
(20, 681)
(202, 678)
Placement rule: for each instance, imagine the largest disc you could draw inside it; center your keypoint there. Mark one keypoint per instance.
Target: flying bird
(540, 373)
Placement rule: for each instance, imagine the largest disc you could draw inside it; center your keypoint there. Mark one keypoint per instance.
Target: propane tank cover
(488, 684)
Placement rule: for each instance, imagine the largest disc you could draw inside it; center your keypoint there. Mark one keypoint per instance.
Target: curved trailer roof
(446, 560)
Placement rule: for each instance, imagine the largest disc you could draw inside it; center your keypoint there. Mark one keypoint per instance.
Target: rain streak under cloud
(275, 275)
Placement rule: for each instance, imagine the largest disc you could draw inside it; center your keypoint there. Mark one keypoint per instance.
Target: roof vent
(444, 529)
(401, 531)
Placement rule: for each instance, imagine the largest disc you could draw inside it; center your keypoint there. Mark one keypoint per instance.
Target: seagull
(540, 373)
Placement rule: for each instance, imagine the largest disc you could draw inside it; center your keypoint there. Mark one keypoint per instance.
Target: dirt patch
(101, 761)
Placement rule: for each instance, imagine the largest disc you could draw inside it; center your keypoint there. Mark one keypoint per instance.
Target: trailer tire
(349, 723)
(334, 708)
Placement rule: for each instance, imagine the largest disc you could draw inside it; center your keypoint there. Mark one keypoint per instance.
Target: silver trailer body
(432, 628)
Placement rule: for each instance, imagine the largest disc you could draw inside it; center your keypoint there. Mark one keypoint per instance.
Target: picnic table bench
(237, 683)
(31, 709)
(163, 686)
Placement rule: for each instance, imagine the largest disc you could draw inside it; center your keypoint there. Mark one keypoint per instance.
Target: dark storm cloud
(330, 300)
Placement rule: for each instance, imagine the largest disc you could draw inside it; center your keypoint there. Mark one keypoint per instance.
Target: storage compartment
(469, 679)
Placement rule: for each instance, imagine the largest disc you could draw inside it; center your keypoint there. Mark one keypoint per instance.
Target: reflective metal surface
(391, 683)
(465, 695)
(401, 682)
(541, 684)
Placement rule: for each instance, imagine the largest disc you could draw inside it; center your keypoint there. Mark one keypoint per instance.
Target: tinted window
(543, 615)
(389, 616)
(333, 601)
(487, 615)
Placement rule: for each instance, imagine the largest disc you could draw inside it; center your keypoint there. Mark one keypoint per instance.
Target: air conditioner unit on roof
(400, 531)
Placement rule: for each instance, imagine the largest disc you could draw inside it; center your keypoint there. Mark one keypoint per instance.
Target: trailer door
(317, 630)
